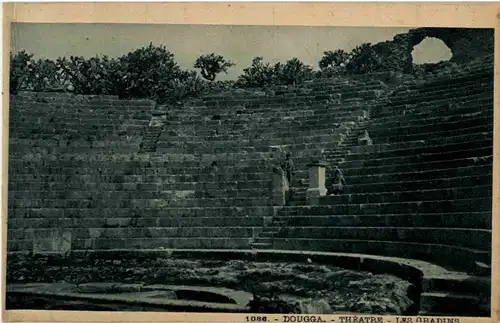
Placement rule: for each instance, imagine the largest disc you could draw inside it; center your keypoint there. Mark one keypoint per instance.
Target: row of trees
(151, 72)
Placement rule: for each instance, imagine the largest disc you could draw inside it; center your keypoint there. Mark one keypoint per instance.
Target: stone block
(59, 241)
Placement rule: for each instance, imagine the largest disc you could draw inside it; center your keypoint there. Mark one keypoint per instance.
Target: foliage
(96, 75)
(364, 59)
(35, 75)
(19, 65)
(294, 72)
(333, 59)
(148, 72)
(258, 74)
(211, 65)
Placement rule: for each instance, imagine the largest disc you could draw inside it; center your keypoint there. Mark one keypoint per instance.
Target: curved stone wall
(466, 44)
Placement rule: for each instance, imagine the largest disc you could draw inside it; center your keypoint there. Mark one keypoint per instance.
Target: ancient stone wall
(466, 44)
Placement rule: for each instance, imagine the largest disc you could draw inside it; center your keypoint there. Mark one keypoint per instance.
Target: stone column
(280, 187)
(316, 182)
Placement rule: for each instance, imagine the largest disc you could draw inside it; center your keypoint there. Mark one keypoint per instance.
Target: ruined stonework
(466, 45)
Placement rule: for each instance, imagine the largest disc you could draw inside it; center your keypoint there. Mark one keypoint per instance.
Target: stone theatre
(387, 173)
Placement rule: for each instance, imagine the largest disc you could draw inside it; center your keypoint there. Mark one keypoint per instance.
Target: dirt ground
(272, 283)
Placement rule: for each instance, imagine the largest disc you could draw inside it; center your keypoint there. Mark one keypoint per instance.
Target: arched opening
(431, 50)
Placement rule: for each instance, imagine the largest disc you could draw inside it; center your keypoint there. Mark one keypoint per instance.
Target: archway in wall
(431, 50)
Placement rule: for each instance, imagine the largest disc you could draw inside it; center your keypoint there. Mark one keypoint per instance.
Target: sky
(240, 44)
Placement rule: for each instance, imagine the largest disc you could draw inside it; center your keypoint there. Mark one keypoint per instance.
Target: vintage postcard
(256, 169)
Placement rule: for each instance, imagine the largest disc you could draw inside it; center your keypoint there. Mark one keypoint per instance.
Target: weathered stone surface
(316, 288)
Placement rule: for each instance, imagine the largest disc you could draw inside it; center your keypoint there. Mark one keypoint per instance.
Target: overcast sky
(240, 44)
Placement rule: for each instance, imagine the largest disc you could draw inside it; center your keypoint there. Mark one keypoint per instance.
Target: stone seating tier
(433, 183)
(429, 92)
(417, 194)
(444, 112)
(421, 154)
(459, 237)
(140, 243)
(448, 256)
(479, 220)
(443, 106)
(426, 175)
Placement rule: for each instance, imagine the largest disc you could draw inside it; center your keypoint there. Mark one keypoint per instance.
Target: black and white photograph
(250, 169)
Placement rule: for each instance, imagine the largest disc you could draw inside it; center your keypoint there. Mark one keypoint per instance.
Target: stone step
(312, 109)
(251, 134)
(421, 149)
(478, 220)
(127, 219)
(450, 257)
(459, 237)
(108, 211)
(421, 194)
(130, 192)
(426, 126)
(140, 243)
(381, 113)
(267, 234)
(269, 123)
(444, 175)
(450, 303)
(412, 97)
(444, 183)
(417, 207)
(136, 232)
(136, 183)
(257, 143)
(442, 93)
(447, 135)
(261, 245)
(469, 78)
(266, 240)
(453, 160)
(417, 144)
(420, 109)
(418, 119)
(459, 283)
(141, 203)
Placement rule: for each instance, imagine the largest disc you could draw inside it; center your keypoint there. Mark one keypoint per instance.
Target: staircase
(333, 156)
(153, 131)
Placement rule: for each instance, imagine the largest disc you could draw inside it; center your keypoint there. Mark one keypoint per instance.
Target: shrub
(363, 59)
(211, 65)
(97, 75)
(19, 65)
(258, 74)
(294, 72)
(148, 72)
(333, 59)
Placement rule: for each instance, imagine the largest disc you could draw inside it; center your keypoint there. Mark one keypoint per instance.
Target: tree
(19, 66)
(332, 59)
(258, 74)
(364, 59)
(147, 72)
(294, 72)
(211, 65)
